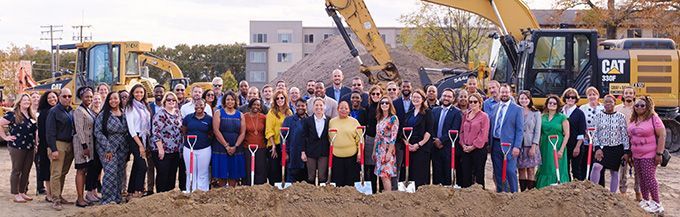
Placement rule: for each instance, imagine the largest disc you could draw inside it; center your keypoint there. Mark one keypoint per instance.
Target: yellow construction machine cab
(120, 64)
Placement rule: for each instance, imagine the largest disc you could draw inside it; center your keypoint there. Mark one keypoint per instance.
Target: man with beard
(357, 86)
(471, 85)
(295, 168)
(242, 94)
(493, 96)
(626, 108)
(445, 117)
(403, 103)
(337, 90)
(310, 90)
(331, 109)
(188, 108)
(507, 126)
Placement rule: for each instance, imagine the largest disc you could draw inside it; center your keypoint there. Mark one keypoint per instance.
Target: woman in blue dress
(228, 162)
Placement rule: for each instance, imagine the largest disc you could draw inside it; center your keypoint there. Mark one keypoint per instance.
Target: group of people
(345, 125)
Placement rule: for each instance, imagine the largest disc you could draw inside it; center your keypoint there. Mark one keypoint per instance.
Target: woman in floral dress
(385, 140)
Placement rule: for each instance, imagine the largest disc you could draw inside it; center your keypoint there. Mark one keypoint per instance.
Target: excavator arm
(361, 23)
(359, 20)
(165, 65)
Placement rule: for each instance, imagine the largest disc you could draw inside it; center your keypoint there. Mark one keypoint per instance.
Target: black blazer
(452, 121)
(577, 126)
(399, 108)
(348, 98)
(331, 93)
(421, 123)
(315, 146)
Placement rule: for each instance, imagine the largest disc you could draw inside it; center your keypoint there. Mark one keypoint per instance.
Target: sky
(172, 22)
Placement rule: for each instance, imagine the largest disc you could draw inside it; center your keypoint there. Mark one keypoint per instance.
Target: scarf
(143, 120)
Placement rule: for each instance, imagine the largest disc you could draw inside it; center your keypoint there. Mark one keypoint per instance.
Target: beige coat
(83, 119)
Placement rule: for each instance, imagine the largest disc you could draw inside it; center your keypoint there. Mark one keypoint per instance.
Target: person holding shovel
(531, 154)
(272, 131)
(553, 123)
(315, 150)
(345, 147)
(198, 123)
(507, 126)
(386, 132)
(255, 123)
(419, 118)
(294, 165)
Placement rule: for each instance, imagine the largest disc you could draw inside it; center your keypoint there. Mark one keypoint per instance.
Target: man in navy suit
(445, 117)
(402, 105)
(358, 86)
(337, 90)
(507, 126)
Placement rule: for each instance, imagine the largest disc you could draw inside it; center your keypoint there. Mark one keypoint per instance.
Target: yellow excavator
(120, 64)
(544, 61)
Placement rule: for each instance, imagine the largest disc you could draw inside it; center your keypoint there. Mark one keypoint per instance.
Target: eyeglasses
(640, 105)
(473, 101)
(570, 97)
(66, 96)
(375, 94)
(391, 89)
(384, 103)
(178, 90)
(171, 100)
(210, 94)
(280, 98)
(217, 85)
(552, 103)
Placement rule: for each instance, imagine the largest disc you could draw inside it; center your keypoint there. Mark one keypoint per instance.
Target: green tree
(203, 62)
(444, 34)
(230, 82)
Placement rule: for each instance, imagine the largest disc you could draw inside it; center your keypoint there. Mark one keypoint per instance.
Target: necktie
(442, 116)
(499, 120)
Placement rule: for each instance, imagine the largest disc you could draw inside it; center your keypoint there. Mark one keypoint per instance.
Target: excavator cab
(554, 60)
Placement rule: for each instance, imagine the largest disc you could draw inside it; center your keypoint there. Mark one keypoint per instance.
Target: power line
(51, 29)
(78, 33)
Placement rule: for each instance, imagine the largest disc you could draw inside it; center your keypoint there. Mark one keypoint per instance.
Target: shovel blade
(282, 186)
(366, 188)
(323, 184)
(409, 187)
(454, 186)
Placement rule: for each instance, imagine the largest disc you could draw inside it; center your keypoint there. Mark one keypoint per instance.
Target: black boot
(531, 184)
(523, 184)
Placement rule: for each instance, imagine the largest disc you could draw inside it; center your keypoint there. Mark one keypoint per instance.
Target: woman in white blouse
(138, 119)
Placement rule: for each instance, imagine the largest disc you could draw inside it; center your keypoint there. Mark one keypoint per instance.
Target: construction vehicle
(544, 61)
(121, 65)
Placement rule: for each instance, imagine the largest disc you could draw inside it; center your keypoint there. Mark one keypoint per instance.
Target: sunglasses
(279, 98)
(473, 101)
(640, 105)
(570, 97)
(375, 94)
(66, 96)
(217, 85)
(391, 89)
(210, 94)
(178, 90)
(384, 103)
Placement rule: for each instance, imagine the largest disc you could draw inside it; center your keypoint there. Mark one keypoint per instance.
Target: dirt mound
(332, 53)
(572, 199)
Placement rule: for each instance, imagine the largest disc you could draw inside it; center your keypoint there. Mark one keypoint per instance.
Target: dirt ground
(307, 200)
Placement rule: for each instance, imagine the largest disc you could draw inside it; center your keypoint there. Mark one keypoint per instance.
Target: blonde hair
(165, 97)
(592, 89)
(18, 116)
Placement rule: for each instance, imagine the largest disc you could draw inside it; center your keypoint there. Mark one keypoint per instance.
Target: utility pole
(50, 30)
(79, 35)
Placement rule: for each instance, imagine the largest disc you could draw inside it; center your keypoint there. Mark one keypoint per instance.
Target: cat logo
(613, 67)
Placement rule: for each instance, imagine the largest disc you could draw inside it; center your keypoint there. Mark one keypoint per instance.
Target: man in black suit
(402, 105)
(337, 90)
(445, 117)
(357, 86)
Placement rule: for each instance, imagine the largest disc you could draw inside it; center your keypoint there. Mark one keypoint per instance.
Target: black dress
(42, 160)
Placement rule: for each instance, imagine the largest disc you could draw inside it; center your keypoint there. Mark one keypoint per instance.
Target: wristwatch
(659, 154)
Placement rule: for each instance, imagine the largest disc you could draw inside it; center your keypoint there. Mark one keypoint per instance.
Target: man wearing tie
(507, 126)
(446, 118)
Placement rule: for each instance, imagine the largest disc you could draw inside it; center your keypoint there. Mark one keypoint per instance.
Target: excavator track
(672, 134)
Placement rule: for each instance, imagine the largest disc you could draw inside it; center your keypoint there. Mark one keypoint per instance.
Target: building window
(634, 33)
(257, 76)
(258, 57)
(326, 35)
(284, 57)
(660, 34)
(285, 37)
(309, 38)
(259, 38)
(307, 54)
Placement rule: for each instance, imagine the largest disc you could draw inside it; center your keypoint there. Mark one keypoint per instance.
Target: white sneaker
(654, 207)
(643, 204)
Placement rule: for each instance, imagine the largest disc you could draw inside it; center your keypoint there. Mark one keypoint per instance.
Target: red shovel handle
(283, 154)
(407, 157)
(504, 172)
(191, 162)
(330, 158)
(192, 136)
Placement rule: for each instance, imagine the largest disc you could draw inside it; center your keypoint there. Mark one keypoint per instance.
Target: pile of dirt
(571, 199)
(333, 53)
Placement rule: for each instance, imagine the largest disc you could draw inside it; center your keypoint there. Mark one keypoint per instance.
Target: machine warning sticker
(617, 88)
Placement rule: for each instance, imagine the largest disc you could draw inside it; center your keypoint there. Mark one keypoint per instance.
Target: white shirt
(188, 108)
(319, 122)
(331, 105)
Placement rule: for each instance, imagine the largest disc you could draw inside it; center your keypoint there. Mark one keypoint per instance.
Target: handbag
(666, 156)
